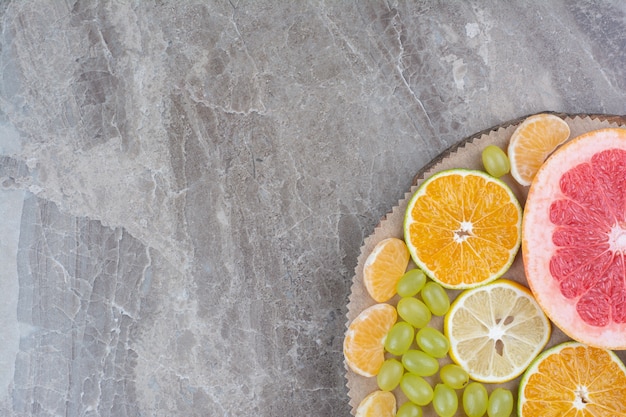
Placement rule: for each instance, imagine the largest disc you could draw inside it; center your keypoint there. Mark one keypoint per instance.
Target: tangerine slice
(384, 267)
(574, 238)
(463, 228)
(363, 346)
(573, 379)
(532, 142)
(377, 404)
(496, 331)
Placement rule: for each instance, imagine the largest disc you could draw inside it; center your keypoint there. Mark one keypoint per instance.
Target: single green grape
(454, 376)
(416, 389)
(411, 283)
(420, 363)
(408, 409)
(433, 342)
(414, 311)
(435, 298)
(500, 403)
(445, 401)
(390, 374)
(399, 338)
(475, 399)
(495, 161)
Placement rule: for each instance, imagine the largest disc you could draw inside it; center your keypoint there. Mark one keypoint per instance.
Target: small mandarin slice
(384, 267)
(377, 404)
(532, 142)
(363, 346)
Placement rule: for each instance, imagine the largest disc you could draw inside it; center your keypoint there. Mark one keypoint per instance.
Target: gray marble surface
(185, 185)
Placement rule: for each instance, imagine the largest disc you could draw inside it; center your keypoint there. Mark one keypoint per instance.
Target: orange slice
(496, 331)
(363, 347)
(463, 228)
(384, 267)
(573, 379)
(532, 142)
(377, 404)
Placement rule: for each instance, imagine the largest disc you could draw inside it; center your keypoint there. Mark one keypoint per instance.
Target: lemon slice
(496, 331)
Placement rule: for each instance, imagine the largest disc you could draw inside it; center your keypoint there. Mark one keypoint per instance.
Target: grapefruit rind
(533, 368)
(427, 268)
(536, 348)
(538, 248)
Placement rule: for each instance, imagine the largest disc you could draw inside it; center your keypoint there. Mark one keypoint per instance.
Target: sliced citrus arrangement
(384, 267)
(532, 142)
(573, 379)
(463, 228)
(574, 238)
(377, 404)
(496, 330)
(363, 346)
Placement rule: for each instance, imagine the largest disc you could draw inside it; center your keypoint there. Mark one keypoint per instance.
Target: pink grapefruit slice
(574, 238)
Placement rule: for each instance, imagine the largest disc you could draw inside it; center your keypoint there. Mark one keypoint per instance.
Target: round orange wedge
(572, 379)
(463, 228)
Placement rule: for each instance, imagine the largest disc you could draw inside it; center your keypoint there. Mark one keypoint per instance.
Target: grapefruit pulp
(574, 238)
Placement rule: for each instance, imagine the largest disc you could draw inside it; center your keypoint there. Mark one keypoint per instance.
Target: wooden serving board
(465, 154)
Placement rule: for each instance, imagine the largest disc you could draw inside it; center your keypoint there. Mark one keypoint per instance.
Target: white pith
(617, 238)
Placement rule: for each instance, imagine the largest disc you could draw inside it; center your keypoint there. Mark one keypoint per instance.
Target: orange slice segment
(573, 379)
(496, 331)
(377, 404)
(363, 346)
(384, 267)
(532, 142)
(463, 228)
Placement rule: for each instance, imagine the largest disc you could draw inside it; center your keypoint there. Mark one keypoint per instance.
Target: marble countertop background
(185, 185)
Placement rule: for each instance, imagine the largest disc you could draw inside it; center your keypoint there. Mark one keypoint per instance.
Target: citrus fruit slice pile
(463, 228)
(496, 330)
(574, 238)
(532, 142)
(363, 346)
(572, 379)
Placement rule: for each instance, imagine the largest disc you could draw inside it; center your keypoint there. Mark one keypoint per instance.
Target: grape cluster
(409, 367)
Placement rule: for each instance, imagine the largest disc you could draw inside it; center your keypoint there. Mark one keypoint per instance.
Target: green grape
(399, 338)
(445, 401)
(414, 311)
(436, 298)
(475, 399)
(500, 403)
(454, 376)
(416, 389)
(433, 342)
(390, 374)
(420, 363)
(411, 283)
(495, 161)
(408, 409)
